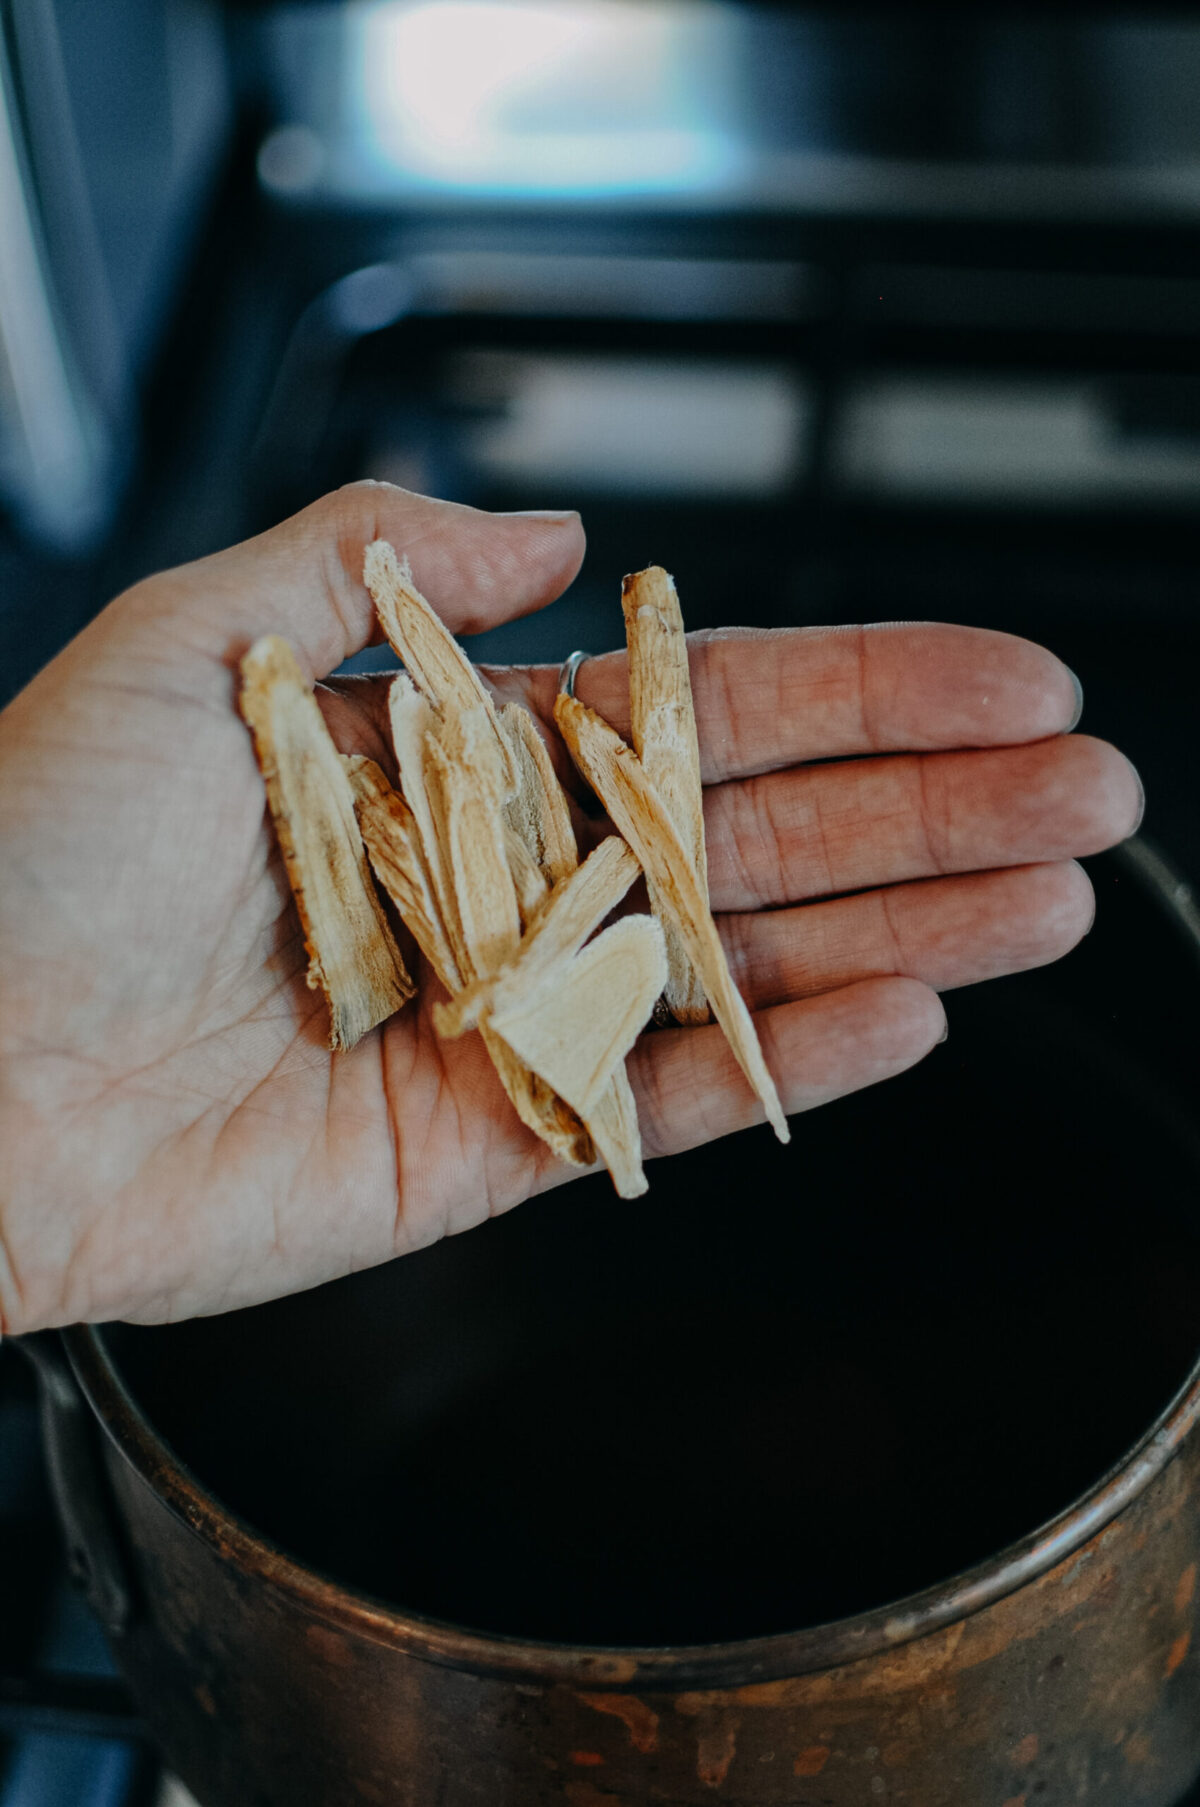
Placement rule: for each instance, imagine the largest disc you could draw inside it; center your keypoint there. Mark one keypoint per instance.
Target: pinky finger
(690, 1089)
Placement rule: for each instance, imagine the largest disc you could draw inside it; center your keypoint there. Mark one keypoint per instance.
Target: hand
(175, 1138)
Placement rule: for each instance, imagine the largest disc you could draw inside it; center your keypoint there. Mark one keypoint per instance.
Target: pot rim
(734, 1663)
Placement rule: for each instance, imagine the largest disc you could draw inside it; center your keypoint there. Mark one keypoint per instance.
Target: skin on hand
(175, 1137)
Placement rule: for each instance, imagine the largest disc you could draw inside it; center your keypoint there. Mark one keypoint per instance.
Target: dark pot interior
(789, 1385)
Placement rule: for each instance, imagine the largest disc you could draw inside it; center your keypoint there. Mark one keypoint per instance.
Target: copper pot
(534, 1517)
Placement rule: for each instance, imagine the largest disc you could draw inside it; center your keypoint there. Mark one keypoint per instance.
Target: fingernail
(545, 514)
(942, 1037)
(1141, 809)
(1074, 721)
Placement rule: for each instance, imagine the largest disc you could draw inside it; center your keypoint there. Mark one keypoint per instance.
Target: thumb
(303, 579)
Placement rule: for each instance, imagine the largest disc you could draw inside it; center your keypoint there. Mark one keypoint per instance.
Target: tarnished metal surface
(271, 1688)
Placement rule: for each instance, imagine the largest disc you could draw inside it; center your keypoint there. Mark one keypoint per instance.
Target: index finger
(767, 698)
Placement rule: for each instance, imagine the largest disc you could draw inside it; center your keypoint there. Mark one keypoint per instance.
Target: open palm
(175, 1137)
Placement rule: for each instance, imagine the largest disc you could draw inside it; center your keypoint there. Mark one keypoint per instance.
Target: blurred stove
(841, 318)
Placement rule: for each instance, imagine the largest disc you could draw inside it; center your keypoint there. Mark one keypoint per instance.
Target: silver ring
(569, 673)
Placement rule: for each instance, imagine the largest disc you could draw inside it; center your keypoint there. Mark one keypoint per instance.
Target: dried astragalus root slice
(615, 773)
(393, 842)
(573, 911)
(532, 889)
(537, 1104)
(404, 854)
(353, 957)
(538, 809)
(432, 656)
(413, 720)
(468, 816)
(577, 1025)
(492, 827)
(537, 983)
(614, 1129)
(663, 722)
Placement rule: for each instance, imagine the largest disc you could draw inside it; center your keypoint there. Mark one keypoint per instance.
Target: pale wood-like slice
(393, 842)
(412, 720)
(663, 722)
(537, 1104)
(576, 1027)
(538, 808)
(427, 711)
(613, 1124)
(615, 773)
(469, 818)
(574, 910)
(481, 917)
(539, 819)
(430, 653)
(352, 954)
(532, 889)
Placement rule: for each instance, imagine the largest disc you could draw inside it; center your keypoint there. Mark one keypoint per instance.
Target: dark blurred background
(840, 314)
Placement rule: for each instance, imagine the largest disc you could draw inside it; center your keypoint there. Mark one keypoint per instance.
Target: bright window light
(537, 97)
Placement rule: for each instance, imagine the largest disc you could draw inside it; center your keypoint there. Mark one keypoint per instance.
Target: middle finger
(818, 830)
